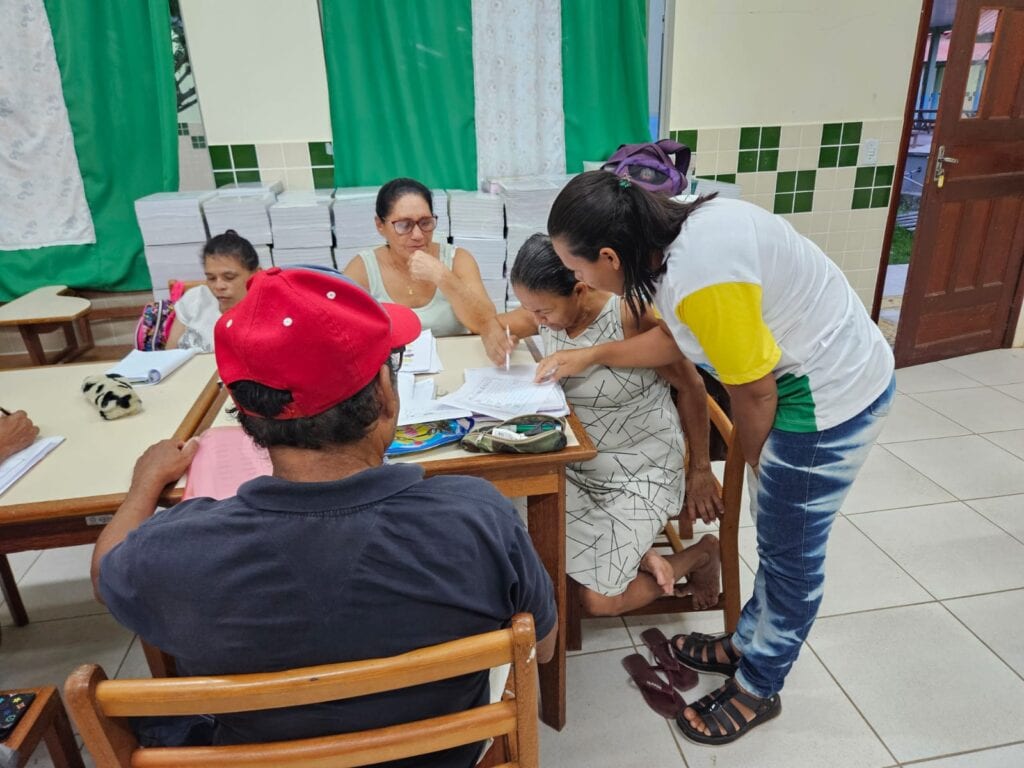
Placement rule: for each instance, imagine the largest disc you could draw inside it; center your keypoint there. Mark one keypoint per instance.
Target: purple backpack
(648, 165)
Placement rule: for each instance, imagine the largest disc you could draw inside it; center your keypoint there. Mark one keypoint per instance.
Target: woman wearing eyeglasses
(439, 282)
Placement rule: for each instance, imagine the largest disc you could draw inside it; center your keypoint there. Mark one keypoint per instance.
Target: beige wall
(769, 62)
(259, 70)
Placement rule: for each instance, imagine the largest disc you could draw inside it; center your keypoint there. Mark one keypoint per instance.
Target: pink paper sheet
(226, 458)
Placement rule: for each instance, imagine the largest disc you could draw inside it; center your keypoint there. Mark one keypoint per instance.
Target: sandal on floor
(698, 652)
(723, 718)
(659, 695)
(681, 677)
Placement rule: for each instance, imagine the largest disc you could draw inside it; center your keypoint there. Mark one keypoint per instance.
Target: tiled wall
(298, 165)
(821, 177)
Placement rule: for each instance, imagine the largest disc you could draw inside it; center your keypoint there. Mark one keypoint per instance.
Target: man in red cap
(338, 555)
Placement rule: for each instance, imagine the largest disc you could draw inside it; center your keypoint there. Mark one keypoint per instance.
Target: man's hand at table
(17, 432)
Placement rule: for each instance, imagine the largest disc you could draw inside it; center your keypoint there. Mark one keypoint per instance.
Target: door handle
(941, 158)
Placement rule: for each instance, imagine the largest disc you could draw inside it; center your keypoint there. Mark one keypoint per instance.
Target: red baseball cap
(312, 332)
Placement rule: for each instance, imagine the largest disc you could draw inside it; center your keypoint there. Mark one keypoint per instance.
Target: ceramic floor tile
(910, 420)
(1005, 511)
(996, 620)
(942, 546)
(1012, 441)
(1013, 390)
(817, 719)
(931, 377)
(603, 635)
(45, 652)
(922, 698)
(134, 665)
(995, 367)
(886, 482)
(22, 561)
(608, 725)
(982, 409)
(57, 585)
(1000, 757)
(858, 575)
(968, 467)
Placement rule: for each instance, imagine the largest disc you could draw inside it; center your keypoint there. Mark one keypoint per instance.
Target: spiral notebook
(151, 367)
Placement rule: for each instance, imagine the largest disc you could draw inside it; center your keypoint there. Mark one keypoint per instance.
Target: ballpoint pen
(508, 349)
(5, 412)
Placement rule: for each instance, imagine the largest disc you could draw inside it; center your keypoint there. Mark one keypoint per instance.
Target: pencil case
(530, 433)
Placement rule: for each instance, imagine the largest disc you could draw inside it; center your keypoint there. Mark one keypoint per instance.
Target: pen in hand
(508, 349)
(5, 412)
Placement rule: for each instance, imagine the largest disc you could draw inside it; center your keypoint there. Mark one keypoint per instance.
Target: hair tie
(624, 182)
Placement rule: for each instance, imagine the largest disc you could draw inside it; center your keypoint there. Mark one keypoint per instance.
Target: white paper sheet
(151, 367)
(421, 356)
(417, 403)
(21, 462)
(504, 394)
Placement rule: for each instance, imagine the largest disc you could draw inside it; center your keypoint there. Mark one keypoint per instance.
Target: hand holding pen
(16, 432)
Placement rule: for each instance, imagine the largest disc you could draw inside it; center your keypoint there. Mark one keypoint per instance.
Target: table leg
(11, 594)
(85, 333)
(35, 347)
(546, 522)
(60, 740)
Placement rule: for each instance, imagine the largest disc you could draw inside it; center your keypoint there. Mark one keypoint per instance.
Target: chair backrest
(100, 707)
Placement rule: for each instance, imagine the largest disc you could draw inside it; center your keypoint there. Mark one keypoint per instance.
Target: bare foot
(660, 569)
(705, 580)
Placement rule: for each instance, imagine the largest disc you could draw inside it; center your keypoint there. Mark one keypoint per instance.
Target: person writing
(618, 503)
(439, 282)
(17, 432)
(229, 260)
(810, 379)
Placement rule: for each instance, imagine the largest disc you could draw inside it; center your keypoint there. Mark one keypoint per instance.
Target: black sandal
(723, 718)
(698, 652)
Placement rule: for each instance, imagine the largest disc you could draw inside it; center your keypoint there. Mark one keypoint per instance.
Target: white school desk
(540, 478)
(68, 497)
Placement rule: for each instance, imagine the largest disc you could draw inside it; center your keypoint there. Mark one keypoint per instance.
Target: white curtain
(42, 200)
(517, 83)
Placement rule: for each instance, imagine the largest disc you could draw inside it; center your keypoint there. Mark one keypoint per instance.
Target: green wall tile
(851, 133)
(220, 158)
(750, 138)
(747, 162)
(246, 176)
(323, 178)
(861, 198)
(847, 156)
(880, 197)
(805, 181)
(222, 178)
(768, 160)
(689, 138)
(770, 137)
(785, 181)
(828, 157)
(783, 203)
(244, 156)
(803, 201)
(831, 133)
(865, 176)
(729, 178)
(318, 154)
(883, 175)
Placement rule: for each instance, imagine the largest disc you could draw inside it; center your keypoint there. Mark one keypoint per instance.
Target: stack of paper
(264, 255)
(244, 210)
(505, 394)
(354, 217)
(167, 218)
(302, 219)
(288, 257)
(17, 464)
(498, 291)
(173, 262)
(444, 227)
(476, 215)
(151, 367)
(528, 199)
(417, 403)
(489, 255)
(344, 255)
(421, 356)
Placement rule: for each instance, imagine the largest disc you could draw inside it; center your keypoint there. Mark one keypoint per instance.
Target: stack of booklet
(244, 210)
(528, 202)
(173, 233)
(476, 214)
(444, 227)
(301, 224)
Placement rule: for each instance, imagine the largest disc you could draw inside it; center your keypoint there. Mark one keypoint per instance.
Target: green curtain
(604, 77)
(118, 79)
(400, 84)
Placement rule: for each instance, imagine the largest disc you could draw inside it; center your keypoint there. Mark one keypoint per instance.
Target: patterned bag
(155, 323)
(531, 433)
(648, 165)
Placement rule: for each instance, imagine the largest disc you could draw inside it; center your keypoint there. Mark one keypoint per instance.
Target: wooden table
(45, 720)
(70, 495)
(45, 310)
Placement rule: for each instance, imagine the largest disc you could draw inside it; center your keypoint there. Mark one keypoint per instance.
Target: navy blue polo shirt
(287, 575)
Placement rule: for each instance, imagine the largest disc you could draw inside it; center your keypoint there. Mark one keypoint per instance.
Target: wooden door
(965, 282)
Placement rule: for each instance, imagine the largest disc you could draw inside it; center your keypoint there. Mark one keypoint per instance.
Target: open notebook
(151, 367)
(21, 462)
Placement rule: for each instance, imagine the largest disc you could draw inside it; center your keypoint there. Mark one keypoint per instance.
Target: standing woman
(810, 378)
(439, 282)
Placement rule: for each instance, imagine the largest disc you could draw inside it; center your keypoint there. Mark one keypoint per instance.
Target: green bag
(530, 433)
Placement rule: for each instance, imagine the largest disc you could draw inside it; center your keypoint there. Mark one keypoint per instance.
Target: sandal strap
(702, 648)
(655, 683)
(720, 712)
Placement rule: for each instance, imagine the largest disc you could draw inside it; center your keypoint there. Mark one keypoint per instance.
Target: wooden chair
(45, 720)
(728, 532)
(100, 707)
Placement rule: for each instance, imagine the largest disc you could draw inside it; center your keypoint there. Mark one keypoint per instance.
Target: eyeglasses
(397, 356)
(404, 226)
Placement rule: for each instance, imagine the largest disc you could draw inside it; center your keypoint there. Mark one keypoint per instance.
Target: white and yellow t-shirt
(745, 294)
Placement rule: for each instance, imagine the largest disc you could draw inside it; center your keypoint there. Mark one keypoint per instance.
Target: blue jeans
(803, 479)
